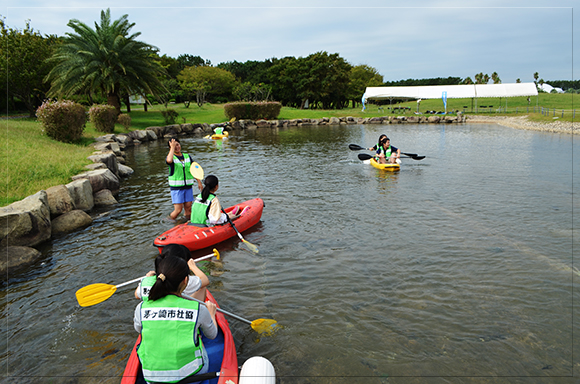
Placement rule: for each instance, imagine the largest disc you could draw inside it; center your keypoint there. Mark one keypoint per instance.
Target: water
(459, 268)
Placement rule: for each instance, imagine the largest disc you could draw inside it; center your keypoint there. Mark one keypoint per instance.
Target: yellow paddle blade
(196, 170)
(250, 246)
(94, 294)
(216, 253)
(266, 326)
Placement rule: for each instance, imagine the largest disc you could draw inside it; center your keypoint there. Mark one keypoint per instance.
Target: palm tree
(106, 61)
(495, 78)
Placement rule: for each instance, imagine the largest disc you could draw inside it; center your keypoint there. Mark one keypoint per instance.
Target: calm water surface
(459, 268)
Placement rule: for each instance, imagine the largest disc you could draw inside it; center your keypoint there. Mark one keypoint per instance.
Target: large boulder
(59, 200)
(101, 179)
(151, 135)
(26, 222)
(108, 158)
(125, 171)
(124, 140)
(159, 131)
(82, 194)
(104, 198)
(434, 119)
(140, 135)
(70, 221)
(16, 257)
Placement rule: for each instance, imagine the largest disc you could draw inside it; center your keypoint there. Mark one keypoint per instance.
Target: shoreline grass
(34, 162)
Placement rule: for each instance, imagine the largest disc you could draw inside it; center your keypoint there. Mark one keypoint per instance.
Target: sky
(420, 39)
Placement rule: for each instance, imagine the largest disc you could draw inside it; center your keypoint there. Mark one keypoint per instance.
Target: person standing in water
(180, 179)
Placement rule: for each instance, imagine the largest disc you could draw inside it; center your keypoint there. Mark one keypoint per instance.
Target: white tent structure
(472, 91)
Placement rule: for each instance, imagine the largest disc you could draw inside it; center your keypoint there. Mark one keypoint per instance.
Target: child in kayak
(196, 285)
(171, 347)
(386, 153)
(376, 146)
(206, 208)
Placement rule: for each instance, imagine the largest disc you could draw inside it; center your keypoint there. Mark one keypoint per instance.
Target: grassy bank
(34, 162)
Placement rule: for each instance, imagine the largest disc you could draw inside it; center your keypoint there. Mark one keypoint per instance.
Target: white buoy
(257, 370)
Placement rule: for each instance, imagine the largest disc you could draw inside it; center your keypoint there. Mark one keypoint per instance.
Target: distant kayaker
(386, 153)
(196, 285)
(171, 347)
(206, 208)
(180, 179)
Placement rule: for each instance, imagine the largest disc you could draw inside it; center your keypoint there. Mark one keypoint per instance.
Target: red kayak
(195, 236)
(221, 352)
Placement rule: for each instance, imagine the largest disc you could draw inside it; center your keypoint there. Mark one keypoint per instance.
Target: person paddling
(386, 152)
(378, 144)
(171, 348)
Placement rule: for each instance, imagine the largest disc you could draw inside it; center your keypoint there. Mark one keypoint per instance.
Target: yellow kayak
(215, 136)
(386, 167)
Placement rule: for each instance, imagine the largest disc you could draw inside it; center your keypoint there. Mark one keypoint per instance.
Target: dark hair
(210, 183)
(381, 137)
(173, 138)
(177, 250)
(170, 273)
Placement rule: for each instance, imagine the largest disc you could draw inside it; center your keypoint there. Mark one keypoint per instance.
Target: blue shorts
(180, 196)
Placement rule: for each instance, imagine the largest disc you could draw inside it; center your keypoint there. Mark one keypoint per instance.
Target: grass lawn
(34, 162)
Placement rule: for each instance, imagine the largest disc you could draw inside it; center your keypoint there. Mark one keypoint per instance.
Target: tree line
(108, 64)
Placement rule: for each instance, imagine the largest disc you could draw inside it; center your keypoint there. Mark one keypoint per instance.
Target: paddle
(250, 246)
(413, 156)
(97, 293)
(258, 325)
(196, 171)
(364, 156)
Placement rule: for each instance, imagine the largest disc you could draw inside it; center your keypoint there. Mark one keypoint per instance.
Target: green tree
(467, 80)
(24, 67)
(536, 77)
(495, 78)
(186, 60)
(106, 60)
(207, 80)
(480, 78)
(361, 77)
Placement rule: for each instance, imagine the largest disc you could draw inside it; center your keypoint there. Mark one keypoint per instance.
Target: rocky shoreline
(522, 122)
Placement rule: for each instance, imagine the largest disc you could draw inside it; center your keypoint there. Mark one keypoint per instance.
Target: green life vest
(387, 152)
(219, 131)
(146, 285)
(181, 177)
(199, 210)
(169, 349)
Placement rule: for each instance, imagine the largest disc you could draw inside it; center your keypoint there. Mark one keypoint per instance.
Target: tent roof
(453, 91)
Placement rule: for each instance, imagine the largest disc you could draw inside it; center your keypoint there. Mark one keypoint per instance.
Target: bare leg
(187, 209)
(177, 208)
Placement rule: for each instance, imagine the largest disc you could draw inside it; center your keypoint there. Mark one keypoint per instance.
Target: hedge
(268, 110)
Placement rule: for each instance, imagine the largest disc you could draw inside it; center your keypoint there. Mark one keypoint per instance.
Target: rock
(107, 158)
(173, 128)
(413, 119)
(124, 140)
(109, 137)
(59, 200)
(125, 171)
(94, 166)
(434, 119)
(140, 135)
(26, 222)
(104, 197)
(151, 135)
(263, 124)
(71, 221)
(334, 120)
(109, 146)
(375, 120)
(82, 194)
(101, 179)
(17, 257)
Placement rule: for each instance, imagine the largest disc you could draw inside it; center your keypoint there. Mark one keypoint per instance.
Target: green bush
(170, 116)
(125, 120)
(103, 117)
(253, 110)
(62, 120)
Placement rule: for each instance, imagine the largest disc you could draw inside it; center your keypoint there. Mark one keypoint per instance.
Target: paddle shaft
(220, 310)
(355, 147)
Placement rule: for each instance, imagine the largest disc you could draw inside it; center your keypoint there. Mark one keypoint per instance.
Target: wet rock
(125, 171)
(101, 179)
(17, 257)
(104, 197)
(108, 158)
(70, 221)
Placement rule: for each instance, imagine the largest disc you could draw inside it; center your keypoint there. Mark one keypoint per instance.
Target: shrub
(62, 120)
(125, 120)
(104, 117)
(170, 116)
(253, 110)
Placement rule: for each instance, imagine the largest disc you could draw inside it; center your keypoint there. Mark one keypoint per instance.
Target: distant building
(548, 88)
